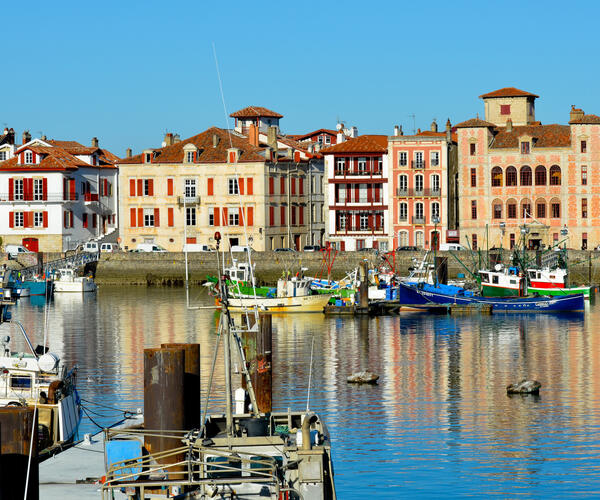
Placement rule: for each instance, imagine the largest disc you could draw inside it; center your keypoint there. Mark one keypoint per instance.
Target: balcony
(357, 172)
(418, 219)
(37, 198)
(352, 228)
(407, 193)
(417, 164)
(90, 197)
(188, 200)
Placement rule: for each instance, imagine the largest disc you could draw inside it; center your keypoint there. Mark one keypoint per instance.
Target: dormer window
(525, 148)
(189, 157)
(28, 157)
(584, 146)
(505, 109)
(147, 157)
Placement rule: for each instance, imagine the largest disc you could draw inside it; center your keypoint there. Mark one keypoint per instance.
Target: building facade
(357, 213)
(55, 195)
(423, 179)
(524, 181)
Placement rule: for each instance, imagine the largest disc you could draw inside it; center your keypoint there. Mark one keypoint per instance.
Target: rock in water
(524, 387)
(364, 377)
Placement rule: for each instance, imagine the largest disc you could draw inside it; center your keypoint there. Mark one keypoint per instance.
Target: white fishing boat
(67, 281)
(546, 281)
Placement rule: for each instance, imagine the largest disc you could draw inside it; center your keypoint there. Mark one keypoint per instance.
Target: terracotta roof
(255, 111)
(474, 123)
(73, 147)
(586, 120)
(208, 154)
(299, 137)
(54, 159)
(507, 92)
(545, 136)
(360, 144)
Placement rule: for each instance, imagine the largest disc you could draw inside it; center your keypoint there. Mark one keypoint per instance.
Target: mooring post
(364, 286)
(16, 433)
(264, 371)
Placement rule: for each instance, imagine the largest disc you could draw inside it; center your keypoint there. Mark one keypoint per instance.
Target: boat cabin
(294, 287)
(545, 278)
(503, 282)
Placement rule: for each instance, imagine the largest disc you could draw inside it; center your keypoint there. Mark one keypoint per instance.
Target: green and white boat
(553, 282)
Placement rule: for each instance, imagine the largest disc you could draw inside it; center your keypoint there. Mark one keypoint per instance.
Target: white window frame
(435, 158)
(233, 217)
(362, 164)
(343, 220)
(402, 211)
(403, 158)
(419, 158)
(340, 165)
(19, 219)
(435, 182)
(419, 210)
(189, 157)
(211, 216)
(189, 187)
(419, 182)
(419, 239)
(403, 182)
(362, 193)
(435, 209)
(233, 186)
(149, 217)
(28, 157)
(190, 216)
(3, 155)
(19, 189)
(38, 219)
(403, 238)
(38, 189)
(363, 220)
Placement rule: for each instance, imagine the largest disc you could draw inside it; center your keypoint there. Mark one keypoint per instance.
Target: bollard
(16, 425)
(164, 399)
(191, 383)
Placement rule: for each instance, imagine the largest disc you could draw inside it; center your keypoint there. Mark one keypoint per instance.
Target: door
(31, 244)
(297, 242)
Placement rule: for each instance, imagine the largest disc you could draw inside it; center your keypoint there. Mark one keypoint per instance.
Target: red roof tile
(507, 92)
(299, 137)
(73, 147)
(586, 120)
(360, 144)
(474, 123)
(545, 136)
(254, 112)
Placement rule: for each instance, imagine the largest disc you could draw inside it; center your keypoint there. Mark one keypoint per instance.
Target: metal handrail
(75, 260)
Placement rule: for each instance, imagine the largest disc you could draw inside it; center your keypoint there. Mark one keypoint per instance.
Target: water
(438, 424)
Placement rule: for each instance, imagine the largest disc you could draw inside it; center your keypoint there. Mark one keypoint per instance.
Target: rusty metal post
(16, 426)
(191, 383)
(264, 374)
(164, 398)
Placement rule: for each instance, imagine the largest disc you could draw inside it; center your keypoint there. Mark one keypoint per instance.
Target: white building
(57, 194)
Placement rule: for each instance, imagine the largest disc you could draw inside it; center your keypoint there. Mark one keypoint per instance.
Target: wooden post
(364, 286)
(264, 368)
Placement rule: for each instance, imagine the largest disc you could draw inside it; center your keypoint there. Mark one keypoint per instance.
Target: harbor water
(438, 424)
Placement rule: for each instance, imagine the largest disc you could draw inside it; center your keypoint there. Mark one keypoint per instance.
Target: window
(38, 219)
(526, 210)
(189, 156)
(473, 209)
(555, 210)
(403, 184)
(540, 175)
(584, 210)
(511, 209)
(327, 139)
(148, 217)
(435, 209)
(19, 219)
(342, 220)
(403, 238)
(38, 189)
(18, 194)
(2, 155)
(505, 109)
(497, 210)
(584, 175)
(419, 239)
(211, 216)
(147, 157)
(402, 159)
(540, 209)
(340, 166)
(28, 157)
(583, 147)
(472, 149)
(555, 175)
(511, 176)
(419, 183)
(496, 177)
(435, 158)
(512, 240)
(379, 165)
(364, 221)
(362, 193)
(233, 186)
(525, 148)
(525, 176)
(402, 212)
(584, 241)
(189, 188)
(190, 216)
(148, 187)
(435, 184)
(473, 177)
(419, 162)
(474, 241)
(362, 165)
(234, 218)
(419, 211)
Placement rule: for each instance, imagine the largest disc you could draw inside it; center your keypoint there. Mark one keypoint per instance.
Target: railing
(418, 220)
(39, 198)
(351, 228)
(355, 172)
(418, 192)
(73, 261)
(417, 164)
(188, 200)
(344, 201)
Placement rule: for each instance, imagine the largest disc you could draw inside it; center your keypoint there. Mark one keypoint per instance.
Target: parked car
(89, 246)
(240, 248)
(109, 247)
(14, 251)
(407, 248)
(194, 247)
(311, 248)
(149, 247)
(285, 250)
(455, 247)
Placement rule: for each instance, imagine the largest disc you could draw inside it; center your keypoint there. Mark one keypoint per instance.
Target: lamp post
(435, 219)
(564, 232)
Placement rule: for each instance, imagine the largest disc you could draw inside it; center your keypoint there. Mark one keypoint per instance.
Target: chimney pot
(94, 142)
(216, 140)
(396, 130)
(26, 137)
(128, 153)
(434, 127)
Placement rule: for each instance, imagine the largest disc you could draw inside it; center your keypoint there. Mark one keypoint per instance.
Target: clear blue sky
(126, 71)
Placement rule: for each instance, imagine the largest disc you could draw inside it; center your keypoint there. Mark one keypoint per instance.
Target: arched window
(555, 208)
(419, 213)
(418, 183)
(511, 208)
(540, 175)
(511, 176)
(540, 208)
(402, 212)
(402, 184)
(555, 175)
(403, 238)
(526, 212)
(497, 209)
(435, 210)
(496, 177)
(419, 239)
(525, 176)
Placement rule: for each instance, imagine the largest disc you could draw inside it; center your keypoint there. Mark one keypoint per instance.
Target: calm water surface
(439, 424)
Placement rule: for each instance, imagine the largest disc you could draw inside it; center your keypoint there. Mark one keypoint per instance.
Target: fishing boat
(548, 281)
(37, 378)
(67, 281)
(36, 286)
(503, 282)
(239, 279)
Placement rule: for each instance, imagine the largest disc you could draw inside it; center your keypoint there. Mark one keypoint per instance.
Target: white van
(91, 247)
(240, 248)
(455, 247)
(149, 247)
(14, 251)
(195, 247)
(109, 247)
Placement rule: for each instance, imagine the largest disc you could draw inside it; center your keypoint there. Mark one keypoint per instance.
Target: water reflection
(439, 422)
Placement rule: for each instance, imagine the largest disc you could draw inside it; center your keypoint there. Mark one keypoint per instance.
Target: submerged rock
(524, 387)
(364, 377)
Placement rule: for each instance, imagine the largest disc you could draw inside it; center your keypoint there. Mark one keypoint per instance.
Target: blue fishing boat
(423, 293)
(37, 286)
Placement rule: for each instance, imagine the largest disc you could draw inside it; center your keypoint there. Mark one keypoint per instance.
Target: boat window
(532, 274)
(20, 382)
(485, 278)
(513, 282)
(263, 465)
(552, 276)
(494, 279)
(223, 467)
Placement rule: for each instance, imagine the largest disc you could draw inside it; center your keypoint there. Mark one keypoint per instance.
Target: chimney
(44, 138)
(448, 131)
(396, 130)
(418, 131)
(169, 139)
(216, 140)
(128, 153)
(94, 142)
(26, 137)
(253, 135)
(509, 127)
(576, 113)
(340, 133)
(434, 127)
(272, 137)
(354, 132)
(268, 154)
(176, 139)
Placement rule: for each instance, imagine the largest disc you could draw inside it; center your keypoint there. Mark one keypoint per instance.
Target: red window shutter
(225, 221)
(210, 186)
(217, 221)
(271, 185)
(84, 219)
(301, 215)
(282, 185)
(271, 216)
(282, 214)
(369, 193)
(250, 218)
(170, 217)
(156, 217)
(44, 188)
(301, 185)
(25, 190)
(250, 185)
(241, 185)
(342, 246)
(241, 216)
(169, 187)
(66, 219)
(105, 187)
(190, 240)
(293, 185)
(72, 187)
(357, 192)
(140, 217)
(11, 189)
(140, 187)
(11, 219)
(150, 187)
(71, 218)
(45, 219)
(131, 187)
(132, 217)
(25, 219)
(231, 157)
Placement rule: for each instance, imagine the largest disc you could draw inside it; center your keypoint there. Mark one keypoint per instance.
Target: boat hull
(74, 286)
(559, 292)
(302, 304)
(499, 291)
